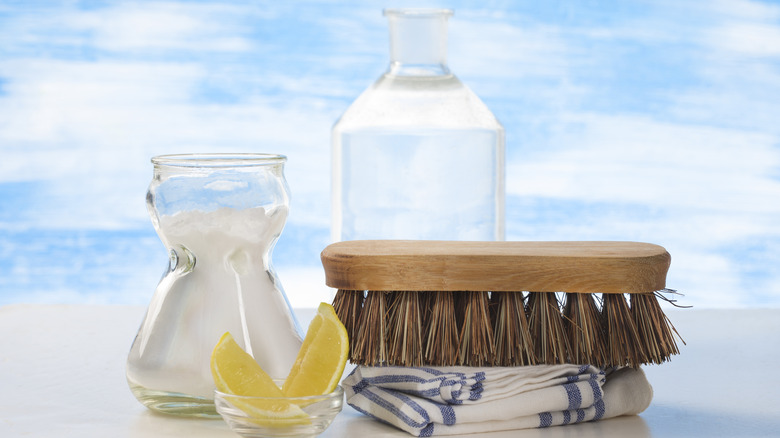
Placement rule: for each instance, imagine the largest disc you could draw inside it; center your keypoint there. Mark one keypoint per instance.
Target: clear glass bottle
(219, 216)
(418, 155)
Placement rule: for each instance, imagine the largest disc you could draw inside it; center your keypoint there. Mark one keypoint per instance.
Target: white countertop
(62, 373)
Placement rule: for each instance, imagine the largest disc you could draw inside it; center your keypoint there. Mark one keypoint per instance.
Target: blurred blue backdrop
(650, 121)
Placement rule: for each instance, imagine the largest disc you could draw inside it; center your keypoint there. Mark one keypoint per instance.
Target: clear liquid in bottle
(418, 155)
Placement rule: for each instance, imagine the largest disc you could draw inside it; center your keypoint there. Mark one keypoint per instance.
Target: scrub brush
(443, 303)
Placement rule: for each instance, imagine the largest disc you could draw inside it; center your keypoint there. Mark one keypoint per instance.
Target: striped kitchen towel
(457, 400)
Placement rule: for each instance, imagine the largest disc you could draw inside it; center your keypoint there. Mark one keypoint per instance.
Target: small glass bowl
(307, 416)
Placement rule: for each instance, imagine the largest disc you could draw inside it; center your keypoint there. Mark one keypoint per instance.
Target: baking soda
(220, 279)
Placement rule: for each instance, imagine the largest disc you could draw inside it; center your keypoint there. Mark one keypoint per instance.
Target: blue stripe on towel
(476, 391)
(395, 410)
(580, 415)
(598, 398)
(597, 395)
(412, 404)
(360, 386)
(396, 378)
(454, 395)
(574, 395)
(600, 409)
(407, 378)
(428, 393)
(448, 414)
(566, 417)
(432, 371)
(436, 372)
(477, 388)
(545, 419)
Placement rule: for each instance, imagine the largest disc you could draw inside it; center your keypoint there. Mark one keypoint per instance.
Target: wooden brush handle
(419, 265)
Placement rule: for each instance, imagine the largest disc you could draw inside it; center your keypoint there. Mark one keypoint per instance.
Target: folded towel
(456, 400)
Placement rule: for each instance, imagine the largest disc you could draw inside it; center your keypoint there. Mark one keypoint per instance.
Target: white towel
(457, 400)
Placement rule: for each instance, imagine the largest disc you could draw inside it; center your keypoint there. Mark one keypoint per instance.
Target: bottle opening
(217, 160)
(418, 41)
(418, 12)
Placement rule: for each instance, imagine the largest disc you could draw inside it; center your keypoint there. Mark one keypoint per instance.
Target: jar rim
(418, 12)
(216, 160)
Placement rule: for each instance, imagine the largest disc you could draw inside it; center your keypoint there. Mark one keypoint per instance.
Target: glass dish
(314, 414)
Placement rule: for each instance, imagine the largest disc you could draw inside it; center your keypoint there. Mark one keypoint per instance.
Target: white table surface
(62, 375)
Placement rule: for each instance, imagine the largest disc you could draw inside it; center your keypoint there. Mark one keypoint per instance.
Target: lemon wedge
(236, 372)
(321, 360)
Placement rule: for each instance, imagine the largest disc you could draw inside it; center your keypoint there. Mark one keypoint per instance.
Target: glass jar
(418, 155)
(219, 217)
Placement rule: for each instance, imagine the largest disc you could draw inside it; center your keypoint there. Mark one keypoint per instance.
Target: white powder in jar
(222, 281)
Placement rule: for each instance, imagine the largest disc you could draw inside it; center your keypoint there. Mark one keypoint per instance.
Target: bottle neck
(418, 42)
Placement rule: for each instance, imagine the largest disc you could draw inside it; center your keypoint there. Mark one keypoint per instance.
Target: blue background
(650, 121)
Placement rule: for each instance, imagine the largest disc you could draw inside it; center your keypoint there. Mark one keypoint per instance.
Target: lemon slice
(320, 362)
(236, 372)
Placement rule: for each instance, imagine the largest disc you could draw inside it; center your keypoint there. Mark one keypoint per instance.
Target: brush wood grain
(583, 267)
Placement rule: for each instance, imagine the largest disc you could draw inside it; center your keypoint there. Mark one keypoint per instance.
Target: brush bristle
(370, 347)
(546, 323)
(654, 327)
(514, 346)
(404, 336)
(622, 337)
(441, 341)
(348, 305)
(476, 331)
(504, 329)
(582, 323)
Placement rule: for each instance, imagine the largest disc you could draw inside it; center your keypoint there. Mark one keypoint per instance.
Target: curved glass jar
(219, 216)
(418, 155)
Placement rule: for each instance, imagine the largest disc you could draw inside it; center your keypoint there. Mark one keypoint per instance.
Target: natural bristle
(348, 305)
(514, 346)
(370, 346)
(582, 323)
(654, 327)
(441, 340)
(476, 331)
(546, 324)
(404, 336)
(623, 343)
(445, 328)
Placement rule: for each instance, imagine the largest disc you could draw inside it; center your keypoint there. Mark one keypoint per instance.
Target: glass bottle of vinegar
(418, 155)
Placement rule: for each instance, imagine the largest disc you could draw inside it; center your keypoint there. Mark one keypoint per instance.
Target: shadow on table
(679, 421)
